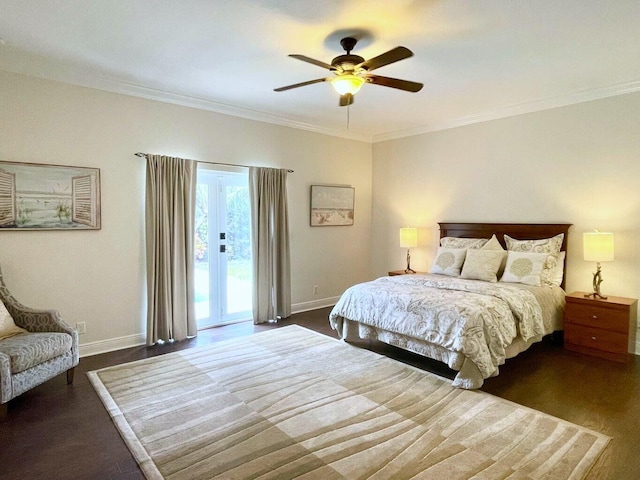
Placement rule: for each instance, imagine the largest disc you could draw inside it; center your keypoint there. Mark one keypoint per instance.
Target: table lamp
(408, 240)
(597, 247)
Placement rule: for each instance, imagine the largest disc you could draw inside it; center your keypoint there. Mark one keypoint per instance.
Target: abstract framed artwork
(332, 205)
(49, 197)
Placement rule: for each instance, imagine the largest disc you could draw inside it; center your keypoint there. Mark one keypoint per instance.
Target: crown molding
(71, 76)
(132, 89)
(518, 109)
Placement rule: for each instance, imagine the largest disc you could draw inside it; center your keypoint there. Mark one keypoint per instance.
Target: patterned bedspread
(478, 320)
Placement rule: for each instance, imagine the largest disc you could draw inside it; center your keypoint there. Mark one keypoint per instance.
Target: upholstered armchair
(48, 348)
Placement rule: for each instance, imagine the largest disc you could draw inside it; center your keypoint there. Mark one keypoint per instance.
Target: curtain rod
(140, 154)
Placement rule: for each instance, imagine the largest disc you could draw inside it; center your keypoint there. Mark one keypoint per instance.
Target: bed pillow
(455, 242)
(8, 328)
(448, 261)
(524, 267)
(545, 245)
(481, 264)
(557, 272)
(550, 246)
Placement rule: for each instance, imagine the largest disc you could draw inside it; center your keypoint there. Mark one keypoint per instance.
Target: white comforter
(475, 319)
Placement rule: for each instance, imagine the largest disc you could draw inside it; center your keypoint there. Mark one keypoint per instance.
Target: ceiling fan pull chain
(348, 115)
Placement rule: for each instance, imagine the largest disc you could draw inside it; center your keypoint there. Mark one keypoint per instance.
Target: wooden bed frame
(520, 231)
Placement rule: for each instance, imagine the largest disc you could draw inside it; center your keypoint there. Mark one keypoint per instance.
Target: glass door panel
(222, 248)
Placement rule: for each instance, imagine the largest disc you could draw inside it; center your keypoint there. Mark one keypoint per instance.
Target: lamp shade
(598, 246)
(347, 83)
(408, 237)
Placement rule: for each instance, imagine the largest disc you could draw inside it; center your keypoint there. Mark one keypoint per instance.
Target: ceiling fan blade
(313, 61)
(395, 83)
(392, 56)
(303, 84)
(346, 99)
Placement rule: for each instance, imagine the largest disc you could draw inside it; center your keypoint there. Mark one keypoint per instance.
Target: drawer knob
(593, 338)
(595, 317)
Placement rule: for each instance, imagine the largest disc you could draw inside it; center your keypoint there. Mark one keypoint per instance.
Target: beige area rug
(292, 403)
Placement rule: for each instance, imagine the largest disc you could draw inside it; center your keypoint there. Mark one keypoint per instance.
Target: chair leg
(4, 408)
(70, 374)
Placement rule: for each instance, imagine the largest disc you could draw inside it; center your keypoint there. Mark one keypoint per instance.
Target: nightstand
(603, 328)
(401, 272)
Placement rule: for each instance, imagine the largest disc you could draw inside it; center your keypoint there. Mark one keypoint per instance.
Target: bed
(458, 316)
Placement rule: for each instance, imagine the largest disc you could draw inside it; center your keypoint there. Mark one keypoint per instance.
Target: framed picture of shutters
(37, 196)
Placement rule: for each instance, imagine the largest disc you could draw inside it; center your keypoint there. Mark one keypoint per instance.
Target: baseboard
(113, 344)
(314, 305)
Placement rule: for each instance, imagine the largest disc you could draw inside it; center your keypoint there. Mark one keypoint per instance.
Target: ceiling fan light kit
(352, 71)
(347, 83)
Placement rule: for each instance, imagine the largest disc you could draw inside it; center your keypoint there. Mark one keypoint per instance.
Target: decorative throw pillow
(493, 244)
(481, 264)
(550, 246)
(455, 242)
(448, 261)
(524, 267)
(8, 328)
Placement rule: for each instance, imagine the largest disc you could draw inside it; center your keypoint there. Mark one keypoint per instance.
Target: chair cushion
(30, 349)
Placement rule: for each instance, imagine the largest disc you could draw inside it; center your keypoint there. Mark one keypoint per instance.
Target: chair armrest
(37, 320)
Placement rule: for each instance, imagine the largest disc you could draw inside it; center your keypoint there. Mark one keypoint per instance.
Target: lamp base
(595, 295)
(597, 280)
(409, 269)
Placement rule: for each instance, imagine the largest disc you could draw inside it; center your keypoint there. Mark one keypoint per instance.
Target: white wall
(98, 277)
(578, 164)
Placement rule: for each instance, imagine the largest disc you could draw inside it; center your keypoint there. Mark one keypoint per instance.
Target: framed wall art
(49, 197)
(331, 205)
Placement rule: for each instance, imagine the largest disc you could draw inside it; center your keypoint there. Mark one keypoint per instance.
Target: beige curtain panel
(270, 244)
(169, 215)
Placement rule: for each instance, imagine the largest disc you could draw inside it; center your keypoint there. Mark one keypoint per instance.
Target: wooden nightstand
(604, 328)
(400, 272)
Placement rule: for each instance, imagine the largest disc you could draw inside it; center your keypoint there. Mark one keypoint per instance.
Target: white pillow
(545, 245)
(448, 261)
(557, 273)
(524, 267)
(8, 328)
(457, 242)
(481, 264)
(550, 246)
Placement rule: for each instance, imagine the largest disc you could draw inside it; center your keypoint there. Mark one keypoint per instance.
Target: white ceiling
(478, 59)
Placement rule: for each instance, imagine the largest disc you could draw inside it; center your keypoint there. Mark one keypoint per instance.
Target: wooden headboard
(520, 231)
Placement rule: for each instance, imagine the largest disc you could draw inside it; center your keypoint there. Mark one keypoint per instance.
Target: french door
(222, 248)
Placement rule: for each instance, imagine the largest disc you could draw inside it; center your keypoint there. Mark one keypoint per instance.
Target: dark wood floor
(57, 431)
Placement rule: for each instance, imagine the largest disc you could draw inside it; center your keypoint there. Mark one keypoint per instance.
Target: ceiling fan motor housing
(346, 62)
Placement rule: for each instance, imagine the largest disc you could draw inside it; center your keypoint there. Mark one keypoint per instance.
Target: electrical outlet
(315, 289)
(81, 327)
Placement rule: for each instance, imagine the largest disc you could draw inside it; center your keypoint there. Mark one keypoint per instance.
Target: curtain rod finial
(140, 154)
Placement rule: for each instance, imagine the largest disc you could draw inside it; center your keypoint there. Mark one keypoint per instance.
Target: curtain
(169, 215)
(270, 244)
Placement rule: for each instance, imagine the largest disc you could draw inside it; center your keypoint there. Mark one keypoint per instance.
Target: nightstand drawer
(595, 338)
(598, 316)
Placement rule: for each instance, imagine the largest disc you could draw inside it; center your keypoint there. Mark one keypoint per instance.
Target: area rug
(293, 403)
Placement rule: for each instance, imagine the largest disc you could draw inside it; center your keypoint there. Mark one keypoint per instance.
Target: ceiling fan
(352, 71)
